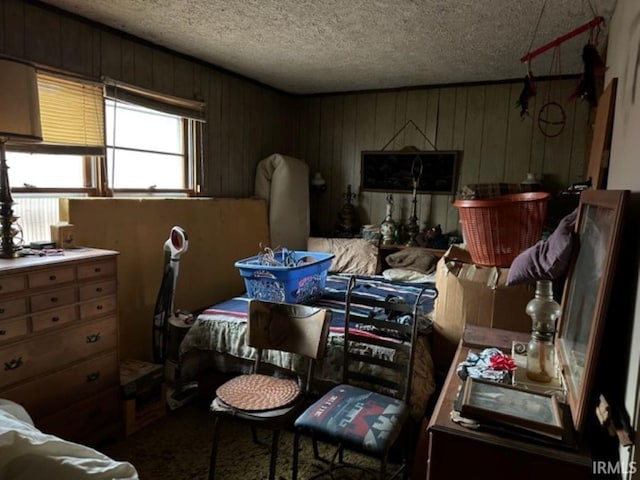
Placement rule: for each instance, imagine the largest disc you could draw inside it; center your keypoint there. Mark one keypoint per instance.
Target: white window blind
(72, 116)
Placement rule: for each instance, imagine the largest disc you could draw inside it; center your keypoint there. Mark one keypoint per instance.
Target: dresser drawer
(53, 318)
(12, 283)
(97, 269)
(13, 328)
(56, 350)
(52, 277)
(99, 306)
(67, 386)
(94, 290)
(55, 298)
(87, 422)
(13, 308)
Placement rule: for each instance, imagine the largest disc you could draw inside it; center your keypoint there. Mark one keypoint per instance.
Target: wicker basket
(497, 229)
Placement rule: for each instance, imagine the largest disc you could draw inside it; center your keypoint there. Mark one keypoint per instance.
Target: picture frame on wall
(394, 171)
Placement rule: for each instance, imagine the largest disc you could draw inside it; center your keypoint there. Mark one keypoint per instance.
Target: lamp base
(8, 248)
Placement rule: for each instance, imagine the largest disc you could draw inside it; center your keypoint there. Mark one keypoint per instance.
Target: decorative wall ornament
(392, 171)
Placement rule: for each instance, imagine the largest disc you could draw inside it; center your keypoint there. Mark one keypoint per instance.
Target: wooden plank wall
(137, 228)
(246, 121)
(482, 121)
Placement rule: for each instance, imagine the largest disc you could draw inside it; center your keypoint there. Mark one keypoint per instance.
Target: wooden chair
(367, 412)
(269, 401)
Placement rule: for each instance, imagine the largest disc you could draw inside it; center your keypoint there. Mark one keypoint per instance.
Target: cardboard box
(476, 295)
(62, 234)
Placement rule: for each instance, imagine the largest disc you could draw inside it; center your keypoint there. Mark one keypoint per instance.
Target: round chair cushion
(257, 392)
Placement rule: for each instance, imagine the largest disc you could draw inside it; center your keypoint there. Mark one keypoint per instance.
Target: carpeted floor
(177, 447)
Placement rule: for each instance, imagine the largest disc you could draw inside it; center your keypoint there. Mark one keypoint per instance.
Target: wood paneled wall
(220, 231)
(482, 121)
(246, 121)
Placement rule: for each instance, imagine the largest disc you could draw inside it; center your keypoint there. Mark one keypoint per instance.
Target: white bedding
(26, 453)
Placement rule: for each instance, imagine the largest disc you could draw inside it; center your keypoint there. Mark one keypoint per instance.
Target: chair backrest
(379, 339)
(297, 329)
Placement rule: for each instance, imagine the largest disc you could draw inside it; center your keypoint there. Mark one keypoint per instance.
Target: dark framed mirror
(586, 293)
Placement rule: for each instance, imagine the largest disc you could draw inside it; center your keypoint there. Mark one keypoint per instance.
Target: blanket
(221, 328)
(26, 453)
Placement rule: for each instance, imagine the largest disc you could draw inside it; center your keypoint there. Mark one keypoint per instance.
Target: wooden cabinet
(456, 451)
(59, 341)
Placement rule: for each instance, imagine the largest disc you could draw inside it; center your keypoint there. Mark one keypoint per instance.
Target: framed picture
(383, 171)
(587, 291)
(501, 403)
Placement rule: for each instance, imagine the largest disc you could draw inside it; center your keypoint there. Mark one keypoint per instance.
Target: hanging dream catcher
(552, 117)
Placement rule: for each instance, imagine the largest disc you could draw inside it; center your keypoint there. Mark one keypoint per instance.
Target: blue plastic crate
(285, 284)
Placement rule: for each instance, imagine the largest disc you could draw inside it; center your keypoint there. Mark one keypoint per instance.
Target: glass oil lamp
(543, 310)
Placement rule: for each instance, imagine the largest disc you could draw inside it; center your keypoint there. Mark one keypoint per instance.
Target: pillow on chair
(257, 392)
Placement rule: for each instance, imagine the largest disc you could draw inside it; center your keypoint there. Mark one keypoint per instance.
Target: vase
(543, 310)
(388, 228)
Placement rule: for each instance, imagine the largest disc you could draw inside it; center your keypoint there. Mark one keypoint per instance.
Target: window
(152, 148)
(152, 140)
(147, 149)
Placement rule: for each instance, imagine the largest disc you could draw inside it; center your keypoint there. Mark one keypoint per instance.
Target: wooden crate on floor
(140, 412)
(143, 393)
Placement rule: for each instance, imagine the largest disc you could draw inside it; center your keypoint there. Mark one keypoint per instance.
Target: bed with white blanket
(217, 338)
(26, 453)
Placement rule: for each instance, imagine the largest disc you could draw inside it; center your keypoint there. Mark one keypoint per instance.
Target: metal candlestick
(412, 228)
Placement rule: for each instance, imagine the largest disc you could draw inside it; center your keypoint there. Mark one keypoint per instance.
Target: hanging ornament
(552, 117)
(594, 67)
(528, 91)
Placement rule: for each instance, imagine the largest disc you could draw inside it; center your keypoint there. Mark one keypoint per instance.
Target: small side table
(460, 452)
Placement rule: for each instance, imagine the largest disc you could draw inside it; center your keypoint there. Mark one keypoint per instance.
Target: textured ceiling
(319, 46)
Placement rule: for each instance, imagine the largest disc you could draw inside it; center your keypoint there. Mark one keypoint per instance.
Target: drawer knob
(1, 311)
(97, 269)
(13, 364)
(98, 307)
(55, 319)
(93, 376)
(99, 289)
(52, 277)
(93, 338)
(3, 332)
(54, 299)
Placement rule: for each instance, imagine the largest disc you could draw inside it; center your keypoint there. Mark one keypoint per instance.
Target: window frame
(95, 172)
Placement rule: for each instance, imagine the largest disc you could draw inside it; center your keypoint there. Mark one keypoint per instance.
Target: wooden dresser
(59, 341)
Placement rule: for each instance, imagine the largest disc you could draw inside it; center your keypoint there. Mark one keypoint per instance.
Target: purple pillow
(548, 259)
